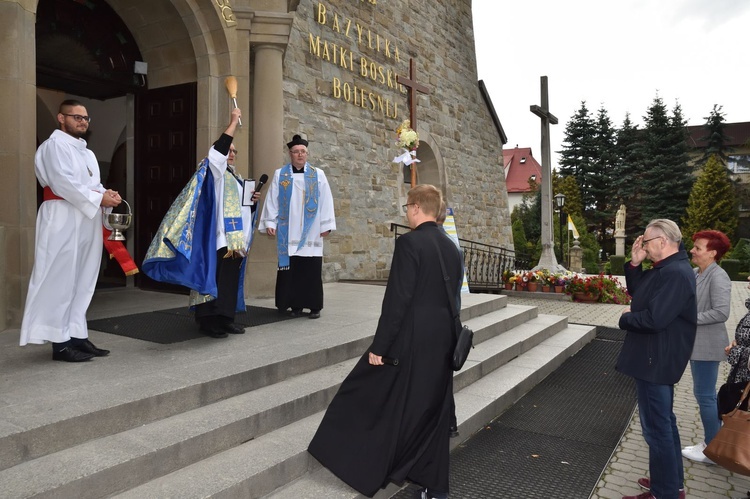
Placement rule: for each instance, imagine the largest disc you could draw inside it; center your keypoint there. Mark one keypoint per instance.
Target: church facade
(344, 74)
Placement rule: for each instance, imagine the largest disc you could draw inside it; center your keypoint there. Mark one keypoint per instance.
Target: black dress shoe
(314, 314)
(69, 354)
(296, 312)
(213, 332)
(86, 346)
(233, 328)
(453, 431)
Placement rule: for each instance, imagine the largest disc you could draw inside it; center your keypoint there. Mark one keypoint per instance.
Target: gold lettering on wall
(373, 46)
(363, 98)
(226, 12)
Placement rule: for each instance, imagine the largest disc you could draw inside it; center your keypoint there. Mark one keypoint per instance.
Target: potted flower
(544, 278)
(559, 281)
(531, 279)
(507, 277)
(598, 288)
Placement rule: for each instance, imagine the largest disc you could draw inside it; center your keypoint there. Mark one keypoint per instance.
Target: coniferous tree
(667, 173)
(602, 166)
(628, 176)
(578, 153)
(715, 138)
(712, 203)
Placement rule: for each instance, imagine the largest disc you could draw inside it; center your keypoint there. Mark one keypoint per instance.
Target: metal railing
(484, 263)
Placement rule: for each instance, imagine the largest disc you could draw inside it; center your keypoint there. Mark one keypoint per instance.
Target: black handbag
(464, 335)
(730, 394)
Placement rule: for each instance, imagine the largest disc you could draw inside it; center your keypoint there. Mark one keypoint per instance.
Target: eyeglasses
(233, 151)
(299, 152)
(78, 117)
(643, 243)
(404, 206)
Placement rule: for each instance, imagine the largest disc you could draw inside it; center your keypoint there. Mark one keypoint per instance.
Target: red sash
(116, 249)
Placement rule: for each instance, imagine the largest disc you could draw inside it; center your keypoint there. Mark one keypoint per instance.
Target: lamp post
(560, 202)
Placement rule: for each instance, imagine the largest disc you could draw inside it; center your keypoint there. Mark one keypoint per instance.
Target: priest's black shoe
(233, 328)
(453, 430)
(314, 314)
(296, 312)
(69, 354)
(86, 346)
(213, 332)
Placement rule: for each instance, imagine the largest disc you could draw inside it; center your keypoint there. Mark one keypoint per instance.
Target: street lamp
(560, 202)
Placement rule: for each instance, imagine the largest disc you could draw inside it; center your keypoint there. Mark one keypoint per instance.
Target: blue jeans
(705, 374)
(659, 426)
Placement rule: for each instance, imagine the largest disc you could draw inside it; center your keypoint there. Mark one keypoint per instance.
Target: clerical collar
(298, 170)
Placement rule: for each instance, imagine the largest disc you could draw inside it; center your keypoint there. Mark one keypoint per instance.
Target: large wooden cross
(547, 260)
(414, 89)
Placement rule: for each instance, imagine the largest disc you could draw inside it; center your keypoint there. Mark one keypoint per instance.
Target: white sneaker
(695, 453)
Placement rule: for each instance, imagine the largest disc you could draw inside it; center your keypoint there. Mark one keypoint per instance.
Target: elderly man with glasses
(661, 326)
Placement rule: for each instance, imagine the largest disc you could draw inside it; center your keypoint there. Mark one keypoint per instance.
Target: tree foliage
(712, 203)
(715, 137)
(668, 175)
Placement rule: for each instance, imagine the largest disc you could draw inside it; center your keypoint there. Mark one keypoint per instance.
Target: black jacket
(662, 321)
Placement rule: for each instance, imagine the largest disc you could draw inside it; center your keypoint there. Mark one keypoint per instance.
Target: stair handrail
(484, 263)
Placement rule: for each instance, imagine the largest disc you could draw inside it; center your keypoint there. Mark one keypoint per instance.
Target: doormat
(176, 324)
(558, 438)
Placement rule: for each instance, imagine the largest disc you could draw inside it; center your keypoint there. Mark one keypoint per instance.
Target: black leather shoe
(314, 314)
(453, 430)
(233, 328)
(86, 346)
(69, 354)
(213, 332)
(296, 312)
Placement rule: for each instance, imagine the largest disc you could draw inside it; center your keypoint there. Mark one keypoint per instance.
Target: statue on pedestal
(620, 231)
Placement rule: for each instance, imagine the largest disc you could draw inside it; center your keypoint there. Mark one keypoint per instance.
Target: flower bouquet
(408, 139)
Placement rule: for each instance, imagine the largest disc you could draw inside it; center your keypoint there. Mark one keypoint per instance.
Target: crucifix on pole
(414, 88)
(547, 260)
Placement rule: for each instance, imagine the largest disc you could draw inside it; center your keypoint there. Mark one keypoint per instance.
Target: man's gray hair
(667, 228)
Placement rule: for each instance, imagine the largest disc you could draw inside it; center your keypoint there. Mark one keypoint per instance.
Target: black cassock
(390, 423)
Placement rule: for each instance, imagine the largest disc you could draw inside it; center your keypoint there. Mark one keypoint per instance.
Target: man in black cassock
(391, 422)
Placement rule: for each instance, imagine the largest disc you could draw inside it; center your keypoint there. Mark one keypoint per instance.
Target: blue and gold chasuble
(183, 251)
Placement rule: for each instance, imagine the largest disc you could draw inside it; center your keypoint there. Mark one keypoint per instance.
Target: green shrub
(732, 267)
(616, 265)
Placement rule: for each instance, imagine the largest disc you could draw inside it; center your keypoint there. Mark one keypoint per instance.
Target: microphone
(261, 182)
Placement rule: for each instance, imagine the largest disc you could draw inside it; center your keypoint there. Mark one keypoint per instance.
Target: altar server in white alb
(68, 249)
(299, 213)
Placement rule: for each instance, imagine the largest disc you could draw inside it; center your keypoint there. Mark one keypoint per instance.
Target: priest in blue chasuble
(203, 241)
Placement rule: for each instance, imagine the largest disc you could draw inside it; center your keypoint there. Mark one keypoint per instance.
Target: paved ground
(628, 463)
(630, 460)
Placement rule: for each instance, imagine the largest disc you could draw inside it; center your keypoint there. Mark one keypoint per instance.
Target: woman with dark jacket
(713, 292)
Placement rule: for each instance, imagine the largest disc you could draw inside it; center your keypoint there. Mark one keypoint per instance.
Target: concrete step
(158, 447)
(130, 403)
(284, 456)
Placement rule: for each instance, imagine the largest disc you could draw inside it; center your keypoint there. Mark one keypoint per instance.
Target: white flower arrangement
(409, 140)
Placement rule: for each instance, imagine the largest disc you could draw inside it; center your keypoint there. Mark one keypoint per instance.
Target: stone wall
(350, 120)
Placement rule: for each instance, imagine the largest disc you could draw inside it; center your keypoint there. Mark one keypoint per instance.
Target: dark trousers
(659, 427)
(227, 282)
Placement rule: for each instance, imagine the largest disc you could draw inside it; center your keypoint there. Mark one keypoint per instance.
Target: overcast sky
(617, 55)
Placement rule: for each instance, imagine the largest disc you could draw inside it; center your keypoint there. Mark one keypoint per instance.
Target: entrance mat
(176, 324)
(557, 439)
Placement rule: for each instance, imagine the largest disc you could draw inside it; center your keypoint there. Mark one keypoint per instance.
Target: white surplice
(324, 221)
(217, 163)
(68, 249)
